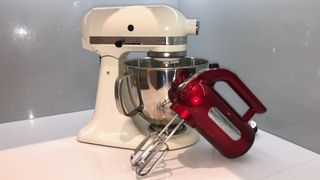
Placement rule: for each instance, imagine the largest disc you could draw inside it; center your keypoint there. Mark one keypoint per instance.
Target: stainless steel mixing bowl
(143, 89)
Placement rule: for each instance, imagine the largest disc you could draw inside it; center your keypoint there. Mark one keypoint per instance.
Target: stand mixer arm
(109, 70)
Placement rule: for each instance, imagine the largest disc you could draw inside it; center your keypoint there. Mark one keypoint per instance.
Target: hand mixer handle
(255, 106)
(118, 93)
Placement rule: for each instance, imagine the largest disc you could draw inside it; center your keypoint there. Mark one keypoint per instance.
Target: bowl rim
(204, 63)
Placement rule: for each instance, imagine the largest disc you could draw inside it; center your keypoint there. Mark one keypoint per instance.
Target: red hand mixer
(197, 103)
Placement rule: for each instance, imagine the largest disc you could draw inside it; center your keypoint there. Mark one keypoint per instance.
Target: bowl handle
(118, 94)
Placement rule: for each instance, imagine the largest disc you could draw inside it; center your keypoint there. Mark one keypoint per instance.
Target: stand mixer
(113, 32)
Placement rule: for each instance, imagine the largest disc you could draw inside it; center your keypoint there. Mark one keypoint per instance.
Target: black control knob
(119, 43)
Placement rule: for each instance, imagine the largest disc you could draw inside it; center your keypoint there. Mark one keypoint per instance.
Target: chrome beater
(146, 156)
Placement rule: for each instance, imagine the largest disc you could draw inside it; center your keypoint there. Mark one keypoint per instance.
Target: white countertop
(65, 158)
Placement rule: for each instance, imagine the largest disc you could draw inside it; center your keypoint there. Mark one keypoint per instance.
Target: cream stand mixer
(113, 32)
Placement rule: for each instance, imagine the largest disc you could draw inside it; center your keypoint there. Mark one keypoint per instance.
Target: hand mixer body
(205, 110)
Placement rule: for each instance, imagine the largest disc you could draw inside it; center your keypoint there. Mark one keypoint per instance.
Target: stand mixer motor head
(161, 31)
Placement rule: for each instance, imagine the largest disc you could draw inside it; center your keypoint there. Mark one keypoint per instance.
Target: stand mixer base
(130, 135)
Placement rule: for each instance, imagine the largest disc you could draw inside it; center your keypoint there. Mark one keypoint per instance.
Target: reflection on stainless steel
(154, 79)
(176, 54)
